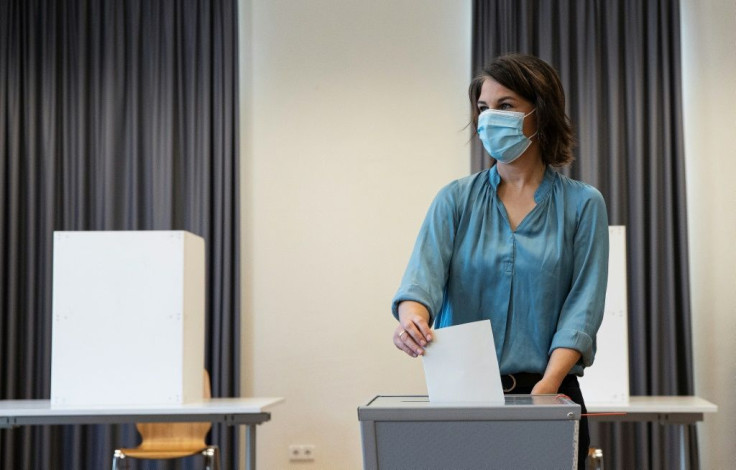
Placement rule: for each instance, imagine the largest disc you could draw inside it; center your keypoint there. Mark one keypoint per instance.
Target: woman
(518, 244)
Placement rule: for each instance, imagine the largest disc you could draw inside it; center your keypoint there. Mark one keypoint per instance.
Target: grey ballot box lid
(516, 407)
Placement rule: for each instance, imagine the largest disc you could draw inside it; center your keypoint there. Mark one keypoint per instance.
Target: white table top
(656, 404)
(212, 406)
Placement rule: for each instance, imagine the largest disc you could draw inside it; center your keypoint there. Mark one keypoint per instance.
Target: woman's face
(493, 95)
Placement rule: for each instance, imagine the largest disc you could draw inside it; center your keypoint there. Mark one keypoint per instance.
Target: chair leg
(119, 461)
(595, 459)
(211, 458)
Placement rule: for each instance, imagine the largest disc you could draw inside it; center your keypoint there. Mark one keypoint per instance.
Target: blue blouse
(543, 285)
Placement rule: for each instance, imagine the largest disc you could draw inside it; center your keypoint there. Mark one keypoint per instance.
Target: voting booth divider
(607, 380)
(128, 318)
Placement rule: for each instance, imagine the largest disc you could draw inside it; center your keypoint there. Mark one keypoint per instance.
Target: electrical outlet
(301, 452)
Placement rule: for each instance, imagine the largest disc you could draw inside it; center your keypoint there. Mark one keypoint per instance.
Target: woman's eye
(505, 106)
(482, 108)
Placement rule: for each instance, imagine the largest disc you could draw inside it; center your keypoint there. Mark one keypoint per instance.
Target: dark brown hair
(537, 82)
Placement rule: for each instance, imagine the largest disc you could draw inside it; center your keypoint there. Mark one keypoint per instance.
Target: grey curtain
(114, 115)
(620, 65)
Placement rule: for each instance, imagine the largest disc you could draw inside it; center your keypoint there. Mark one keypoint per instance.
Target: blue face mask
(502, 134)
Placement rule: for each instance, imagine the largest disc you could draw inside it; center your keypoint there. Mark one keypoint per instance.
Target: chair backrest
(177, 437)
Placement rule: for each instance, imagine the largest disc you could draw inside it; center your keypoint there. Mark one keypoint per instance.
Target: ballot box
(526, 432)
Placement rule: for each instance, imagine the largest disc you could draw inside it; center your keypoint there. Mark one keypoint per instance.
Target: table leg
(250, 447)
(685, 447)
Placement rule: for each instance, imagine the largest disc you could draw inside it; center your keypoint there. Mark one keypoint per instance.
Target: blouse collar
(542, 191)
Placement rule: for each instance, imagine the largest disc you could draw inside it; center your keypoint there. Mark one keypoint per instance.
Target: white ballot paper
(460, 365)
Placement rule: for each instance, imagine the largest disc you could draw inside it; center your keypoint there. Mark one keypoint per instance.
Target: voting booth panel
(607, 380)
(128, 318)
(409, 432)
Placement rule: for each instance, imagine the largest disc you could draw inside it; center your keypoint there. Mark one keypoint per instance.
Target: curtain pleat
(114, 115)
(620, 66)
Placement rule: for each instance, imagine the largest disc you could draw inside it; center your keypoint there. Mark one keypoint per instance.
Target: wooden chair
(171, 441)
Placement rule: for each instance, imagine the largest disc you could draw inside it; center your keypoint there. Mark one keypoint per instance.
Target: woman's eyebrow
(498, 101)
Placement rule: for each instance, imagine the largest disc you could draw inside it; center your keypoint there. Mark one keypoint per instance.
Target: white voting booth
(607, 380)
(128, 318)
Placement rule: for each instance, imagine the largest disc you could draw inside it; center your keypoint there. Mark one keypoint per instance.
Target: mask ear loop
(537, 131)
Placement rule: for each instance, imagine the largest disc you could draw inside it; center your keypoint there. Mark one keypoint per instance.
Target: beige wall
(709, 96)
(355, 118)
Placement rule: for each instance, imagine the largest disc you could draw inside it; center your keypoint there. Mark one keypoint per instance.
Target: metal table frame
(231, 411)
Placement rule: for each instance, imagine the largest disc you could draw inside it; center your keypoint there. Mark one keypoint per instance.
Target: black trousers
(571, 388)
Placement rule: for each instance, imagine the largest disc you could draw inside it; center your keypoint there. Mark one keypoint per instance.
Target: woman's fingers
(413, 336)
(399, 343)
(419, 331)
(399, 335)
(423, 329)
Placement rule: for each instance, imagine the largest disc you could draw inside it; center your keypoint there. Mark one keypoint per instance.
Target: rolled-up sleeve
(426, 274)
(582, 311)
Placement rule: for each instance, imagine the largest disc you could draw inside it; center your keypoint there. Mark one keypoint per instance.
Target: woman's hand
(413, 333)
(545, 388)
